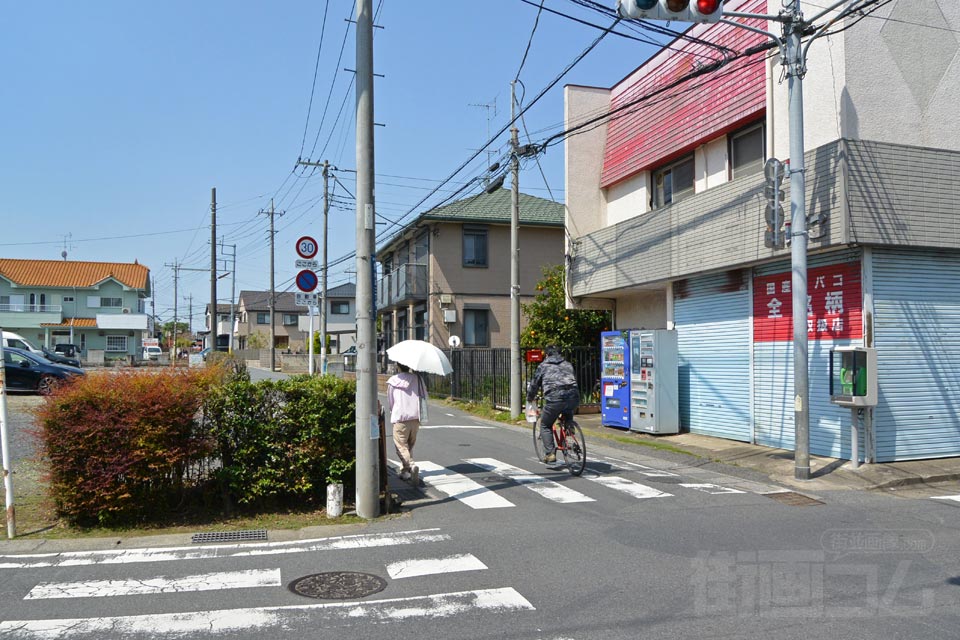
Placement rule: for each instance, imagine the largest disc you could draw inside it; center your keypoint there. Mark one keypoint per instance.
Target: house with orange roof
(96, 305)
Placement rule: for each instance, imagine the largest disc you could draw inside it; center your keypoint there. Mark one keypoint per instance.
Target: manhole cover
(793, 499)
(338, 585)
(230, 536)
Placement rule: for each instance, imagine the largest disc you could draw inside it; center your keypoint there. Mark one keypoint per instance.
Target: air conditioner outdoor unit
(446, 298)
(126, 309)
(449, 315)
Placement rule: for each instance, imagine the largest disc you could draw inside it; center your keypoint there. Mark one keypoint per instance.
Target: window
(68, 298)
(289, 319)
(474, 246)
(339, 308)
(117, 344)
(111, 302)
(673, 182)
(11, 303)
(475, 331)
(746, 151)
(263, 317)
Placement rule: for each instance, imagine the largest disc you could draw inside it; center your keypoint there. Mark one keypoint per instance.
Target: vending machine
(614, 379)
(654, 400)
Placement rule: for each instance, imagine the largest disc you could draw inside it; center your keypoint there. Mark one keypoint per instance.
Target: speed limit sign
(306, 247)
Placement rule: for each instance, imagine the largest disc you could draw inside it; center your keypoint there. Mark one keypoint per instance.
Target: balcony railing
(405, 283)
(30, 308)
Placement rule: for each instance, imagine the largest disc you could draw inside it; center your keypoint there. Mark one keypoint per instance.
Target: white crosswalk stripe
(459, 486)
(629, 487)
(434, 566)
(712, 489)
(952, 498)
(536, 483)
(160, 584)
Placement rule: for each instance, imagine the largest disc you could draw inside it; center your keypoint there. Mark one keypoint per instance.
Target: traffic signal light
(774, 237)
(672, 10)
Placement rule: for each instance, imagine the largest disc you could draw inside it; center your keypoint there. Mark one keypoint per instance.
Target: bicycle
(569, 441)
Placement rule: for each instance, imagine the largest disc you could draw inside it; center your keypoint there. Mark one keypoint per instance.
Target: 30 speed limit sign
(306, 247)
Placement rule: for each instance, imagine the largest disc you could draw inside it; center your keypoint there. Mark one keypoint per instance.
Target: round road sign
(306, 248)
(306, 281)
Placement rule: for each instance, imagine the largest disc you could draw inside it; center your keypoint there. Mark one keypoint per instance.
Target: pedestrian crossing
(613, 477)
(280, 619)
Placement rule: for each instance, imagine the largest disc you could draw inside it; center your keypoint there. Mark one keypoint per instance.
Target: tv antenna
(66, 245)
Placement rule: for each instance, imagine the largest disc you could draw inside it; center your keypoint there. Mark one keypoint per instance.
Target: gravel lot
(20, 425)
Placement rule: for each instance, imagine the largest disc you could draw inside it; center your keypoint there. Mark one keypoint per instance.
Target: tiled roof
(260, 301)
(348, 290)
(496, 208)
(71, 273)
(72, 322)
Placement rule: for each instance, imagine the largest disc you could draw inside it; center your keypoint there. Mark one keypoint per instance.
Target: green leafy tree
(549, 322)
(258, 340)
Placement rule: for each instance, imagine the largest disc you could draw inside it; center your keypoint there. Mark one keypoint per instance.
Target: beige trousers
(404, 437)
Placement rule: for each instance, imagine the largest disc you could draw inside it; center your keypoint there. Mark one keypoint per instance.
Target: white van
(152, 353)
(16, 340)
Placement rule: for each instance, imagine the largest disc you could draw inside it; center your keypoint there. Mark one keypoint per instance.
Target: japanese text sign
(834, 304)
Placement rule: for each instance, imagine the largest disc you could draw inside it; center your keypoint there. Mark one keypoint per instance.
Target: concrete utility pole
(213, 269)
(367, 428)
(323, 274)
(514, 260)
(5, 451)
(171, 348)
(273, 296)
(189, 300)
(233, 289)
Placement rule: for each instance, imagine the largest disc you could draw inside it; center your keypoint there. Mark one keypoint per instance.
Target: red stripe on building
(671, 124)
(834, 310)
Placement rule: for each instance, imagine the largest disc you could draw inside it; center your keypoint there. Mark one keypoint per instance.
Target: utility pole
(153, 307)
(213, 269)
(514, 260)
(273, 296)
(233, 288)
(173, 341)
(5, 452)
(323, 275)
(367, 429)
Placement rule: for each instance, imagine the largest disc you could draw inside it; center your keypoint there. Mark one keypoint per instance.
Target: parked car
(67, 349)
(26, 371)
(17, 341)
(152, 353)
(60, 358)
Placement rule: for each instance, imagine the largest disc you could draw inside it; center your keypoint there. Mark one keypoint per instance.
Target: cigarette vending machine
(614, 379)
(654, 400)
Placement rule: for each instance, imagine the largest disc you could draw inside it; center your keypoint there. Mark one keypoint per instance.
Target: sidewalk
(778, 464)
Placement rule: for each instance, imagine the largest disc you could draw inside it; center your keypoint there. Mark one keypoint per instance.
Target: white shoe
(404, 475)
(415, 476)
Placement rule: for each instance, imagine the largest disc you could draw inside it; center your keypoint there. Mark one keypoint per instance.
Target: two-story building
(96, 305)
(292, 322)
(665, 208)
(447, 273)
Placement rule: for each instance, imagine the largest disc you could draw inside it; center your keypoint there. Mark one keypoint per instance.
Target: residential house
(96, 305)
(665, 211)
(447, 273)
(292, 322)
(225, 313)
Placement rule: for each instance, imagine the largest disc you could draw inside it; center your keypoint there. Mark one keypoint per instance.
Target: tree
(258, 340)
(550, 322)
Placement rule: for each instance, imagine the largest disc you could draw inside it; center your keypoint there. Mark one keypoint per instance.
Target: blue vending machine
(615, 379)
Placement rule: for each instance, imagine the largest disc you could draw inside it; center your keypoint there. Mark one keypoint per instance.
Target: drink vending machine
(654, 400)
(614, 379)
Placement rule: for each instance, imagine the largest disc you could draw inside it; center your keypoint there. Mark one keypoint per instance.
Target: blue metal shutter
(773, 383)
(712, 317)
(917, 335)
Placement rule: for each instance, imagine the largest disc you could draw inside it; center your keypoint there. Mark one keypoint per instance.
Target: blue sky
(117, 119)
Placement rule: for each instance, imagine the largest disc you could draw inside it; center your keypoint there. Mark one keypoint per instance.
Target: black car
(60, 358)
(26, 371)
(67, 349)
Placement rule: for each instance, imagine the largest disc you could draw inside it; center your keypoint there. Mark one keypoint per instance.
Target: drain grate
(793, 499)
(338, 585)
(230, 536)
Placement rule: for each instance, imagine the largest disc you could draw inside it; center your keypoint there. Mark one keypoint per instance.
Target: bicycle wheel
(537, 442)
(575, 449)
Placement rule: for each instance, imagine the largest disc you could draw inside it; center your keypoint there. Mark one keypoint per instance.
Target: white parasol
(420, 356)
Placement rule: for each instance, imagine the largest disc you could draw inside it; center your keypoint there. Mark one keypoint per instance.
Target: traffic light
(672, 10)
(774, 237)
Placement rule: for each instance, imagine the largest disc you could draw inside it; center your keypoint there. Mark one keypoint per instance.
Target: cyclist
(560, 396)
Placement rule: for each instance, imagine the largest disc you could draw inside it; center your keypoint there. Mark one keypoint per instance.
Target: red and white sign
(834, 304)
(307, 247)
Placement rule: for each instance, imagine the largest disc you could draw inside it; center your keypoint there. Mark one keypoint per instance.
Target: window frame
(289, 319)
(470, 313)
(337, 305)
(742, 132)
(475, 231)
(656, 193)
(263, 317)
(109, 349)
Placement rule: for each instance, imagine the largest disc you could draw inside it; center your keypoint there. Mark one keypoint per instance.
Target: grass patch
(480, 410)
(652, 444)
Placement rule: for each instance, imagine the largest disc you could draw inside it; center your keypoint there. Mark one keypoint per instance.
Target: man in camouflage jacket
(560, 396)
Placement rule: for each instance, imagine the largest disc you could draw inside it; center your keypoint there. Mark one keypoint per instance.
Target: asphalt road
(496, 545)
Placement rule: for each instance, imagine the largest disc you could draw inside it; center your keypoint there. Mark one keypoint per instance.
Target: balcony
(405, 284)
(30, 316)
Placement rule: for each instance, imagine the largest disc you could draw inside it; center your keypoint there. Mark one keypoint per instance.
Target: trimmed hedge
(133, 447)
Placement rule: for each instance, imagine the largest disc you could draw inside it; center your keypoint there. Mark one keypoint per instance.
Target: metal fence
(483, 375)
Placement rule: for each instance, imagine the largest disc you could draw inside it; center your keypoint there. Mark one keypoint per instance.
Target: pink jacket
(403, 397)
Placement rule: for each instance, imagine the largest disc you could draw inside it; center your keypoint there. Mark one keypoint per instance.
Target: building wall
(583, 160)
(644, 310)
